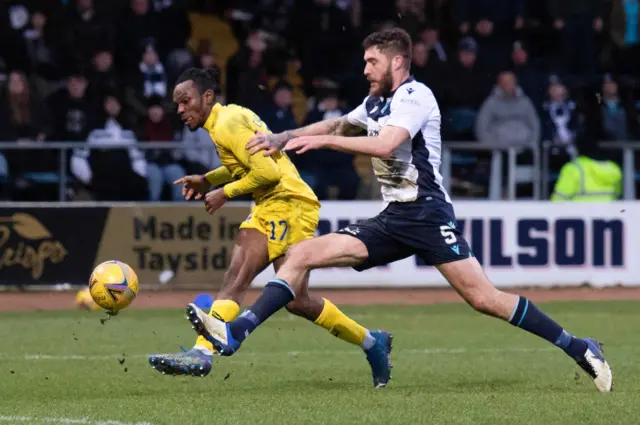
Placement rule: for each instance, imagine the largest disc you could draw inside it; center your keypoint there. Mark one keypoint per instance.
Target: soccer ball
(84, 301)
(113, 285)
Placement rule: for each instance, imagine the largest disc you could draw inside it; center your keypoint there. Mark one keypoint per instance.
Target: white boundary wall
(518, 243)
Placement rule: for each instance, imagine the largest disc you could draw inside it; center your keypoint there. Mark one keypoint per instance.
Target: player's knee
(483, 301)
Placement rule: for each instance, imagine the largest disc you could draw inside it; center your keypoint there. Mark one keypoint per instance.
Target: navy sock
(277, 294)
(529, 317)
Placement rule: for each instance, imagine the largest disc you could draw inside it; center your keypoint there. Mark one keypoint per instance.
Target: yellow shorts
(284, 222)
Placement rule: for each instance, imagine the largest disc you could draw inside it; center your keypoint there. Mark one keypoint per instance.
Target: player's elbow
(271, 176)
(384, 151)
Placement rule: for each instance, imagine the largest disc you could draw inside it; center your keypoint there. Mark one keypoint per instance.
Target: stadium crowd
(514, 72)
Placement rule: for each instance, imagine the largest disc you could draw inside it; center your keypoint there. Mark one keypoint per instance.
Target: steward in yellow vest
(586, 179)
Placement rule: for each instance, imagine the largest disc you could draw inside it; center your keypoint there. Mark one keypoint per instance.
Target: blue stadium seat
(457, 159)
(42, 177)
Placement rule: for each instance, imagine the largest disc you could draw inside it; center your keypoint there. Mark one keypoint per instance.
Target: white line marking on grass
(426, 351)
(66, 421)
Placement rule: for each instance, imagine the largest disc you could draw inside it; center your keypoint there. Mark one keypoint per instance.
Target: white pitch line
(426, 351)
(66, 421)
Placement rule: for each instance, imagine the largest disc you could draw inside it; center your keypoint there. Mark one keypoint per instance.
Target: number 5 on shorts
(282, 225)
(447, 233)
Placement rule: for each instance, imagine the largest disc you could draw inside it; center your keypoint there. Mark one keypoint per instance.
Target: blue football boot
(378, 357)
(193, 362)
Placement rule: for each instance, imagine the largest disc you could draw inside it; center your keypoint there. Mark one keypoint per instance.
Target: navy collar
(407, 81)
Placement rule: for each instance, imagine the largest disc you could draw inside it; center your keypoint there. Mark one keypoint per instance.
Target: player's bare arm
(198, 184)
(380, 146)
(271, 143)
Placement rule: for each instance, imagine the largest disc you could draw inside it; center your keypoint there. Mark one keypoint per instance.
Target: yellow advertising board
(180, 245)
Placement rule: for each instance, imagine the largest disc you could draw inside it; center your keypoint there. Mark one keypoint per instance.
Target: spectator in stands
(561, 119)
(42, 48)
(530, 77)
(271, 15)
(87, 28)
(143, 28)
(561, 122)
(466, 89)
(173, 14)
(430, 36)
(277, 112)
(73, 111)
(206, 58)
(316, 29)
(578, 23)
(625, 34)
(428, 69)
(25, 119)
(493, 24)
(112, 174)
(611, 117)
(14, 20)
(103, 77)
(508, 116)
(323, 169)
(247, 74)
(23, 116)
(163, 166)
(149, 82)
(409, 15)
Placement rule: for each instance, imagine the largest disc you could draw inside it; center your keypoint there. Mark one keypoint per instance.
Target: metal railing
(495, 180)
(539, 167)
(65, 147)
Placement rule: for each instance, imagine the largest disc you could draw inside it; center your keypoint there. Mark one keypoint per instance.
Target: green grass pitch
(452, 366)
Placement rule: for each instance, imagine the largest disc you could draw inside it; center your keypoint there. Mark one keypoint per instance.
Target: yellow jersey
(266, 178)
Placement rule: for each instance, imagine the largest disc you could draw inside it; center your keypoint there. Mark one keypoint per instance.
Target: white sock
(204, 349)
(369, 341)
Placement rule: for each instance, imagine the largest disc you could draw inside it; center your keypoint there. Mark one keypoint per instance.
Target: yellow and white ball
(113, 285)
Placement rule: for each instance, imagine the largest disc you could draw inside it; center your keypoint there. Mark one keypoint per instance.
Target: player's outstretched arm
(272, 143)
(381, 146)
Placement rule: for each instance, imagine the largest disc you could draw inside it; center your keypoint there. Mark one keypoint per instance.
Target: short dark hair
(205, 79)
(393, 40)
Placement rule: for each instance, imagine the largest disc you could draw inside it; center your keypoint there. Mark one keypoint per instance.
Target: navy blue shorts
(426, 228)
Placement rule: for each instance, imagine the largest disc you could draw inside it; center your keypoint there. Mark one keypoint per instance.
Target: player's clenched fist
(195, 184)
(214, 200)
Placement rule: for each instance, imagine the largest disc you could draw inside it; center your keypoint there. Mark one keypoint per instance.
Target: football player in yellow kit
(286, 212)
